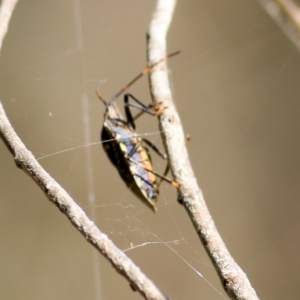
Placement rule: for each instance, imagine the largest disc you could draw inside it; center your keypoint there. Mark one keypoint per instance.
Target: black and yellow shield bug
(126, 150)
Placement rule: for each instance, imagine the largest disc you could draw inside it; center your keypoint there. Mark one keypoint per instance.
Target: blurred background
(236, 87)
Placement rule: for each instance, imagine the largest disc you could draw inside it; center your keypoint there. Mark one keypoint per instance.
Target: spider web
(54, 59)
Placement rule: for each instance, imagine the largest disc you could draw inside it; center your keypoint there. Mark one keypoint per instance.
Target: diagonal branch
(234, 280)
(286, 13)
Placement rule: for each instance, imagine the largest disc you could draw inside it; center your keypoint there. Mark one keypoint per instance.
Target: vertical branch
(234, 280)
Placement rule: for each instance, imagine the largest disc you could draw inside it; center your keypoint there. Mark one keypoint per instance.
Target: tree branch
(234, 280)
(6, 10)
(286, 14)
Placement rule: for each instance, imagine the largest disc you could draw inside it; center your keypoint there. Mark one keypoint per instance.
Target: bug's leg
(143, 179)
(133, 150)
(165, 174)
(128, 114)
(152, 109)
(138, 115)
(144, 72)
(187, 139)
(140, 105)
(162, 177)
(163, 156)
(155, 149)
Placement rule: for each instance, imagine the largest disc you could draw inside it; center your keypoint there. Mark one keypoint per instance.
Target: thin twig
(58, 196)
(292, 10)
(286, 14)
(6, 10)
(234, 280)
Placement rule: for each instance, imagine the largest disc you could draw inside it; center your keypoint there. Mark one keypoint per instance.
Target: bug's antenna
(144, 72)
(101, 98)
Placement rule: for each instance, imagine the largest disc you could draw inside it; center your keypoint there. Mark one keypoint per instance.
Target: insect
(126, 150)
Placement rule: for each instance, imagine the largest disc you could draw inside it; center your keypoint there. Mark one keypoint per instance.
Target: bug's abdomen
(145, 180)
(132, 161)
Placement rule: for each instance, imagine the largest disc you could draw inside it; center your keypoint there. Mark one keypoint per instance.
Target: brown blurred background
(236, 86)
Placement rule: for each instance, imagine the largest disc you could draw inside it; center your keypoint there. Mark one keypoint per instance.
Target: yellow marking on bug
(138, 182)
(152, 178)
(123, 147)
(133, 170)
(146, 163)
